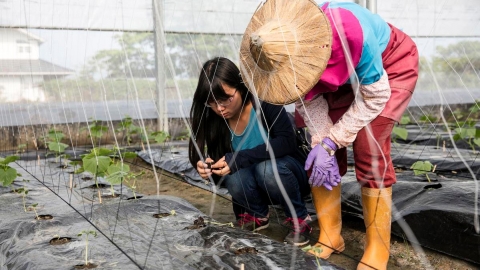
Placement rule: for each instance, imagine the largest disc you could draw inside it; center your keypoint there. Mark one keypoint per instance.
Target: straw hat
(285, 50)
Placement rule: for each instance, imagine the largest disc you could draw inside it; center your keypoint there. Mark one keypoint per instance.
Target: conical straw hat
(285, 50)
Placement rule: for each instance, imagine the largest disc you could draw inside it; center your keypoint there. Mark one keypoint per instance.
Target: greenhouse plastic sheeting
(440, 213)
(129, 236)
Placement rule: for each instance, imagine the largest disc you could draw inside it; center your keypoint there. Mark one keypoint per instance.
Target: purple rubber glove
(324, 166)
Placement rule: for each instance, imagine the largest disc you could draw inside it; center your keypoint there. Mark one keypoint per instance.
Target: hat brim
(306, 56)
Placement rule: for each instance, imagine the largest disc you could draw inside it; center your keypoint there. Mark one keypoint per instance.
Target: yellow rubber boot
(377, 215)
(327, 204)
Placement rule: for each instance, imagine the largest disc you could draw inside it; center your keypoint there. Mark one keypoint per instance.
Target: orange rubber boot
(377, 215)
(328, 206)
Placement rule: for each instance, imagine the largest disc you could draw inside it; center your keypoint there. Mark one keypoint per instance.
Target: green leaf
(74, 163)
(421, 167)
(99, 152)
(129, 155)
(96, 165)
(79, 170)
(57, 147)
(116, 173)
(428, 118)
(471, 132)
(98, 131)
(159, 136)
(8, 159)
(476, 141)
(8, 176)
(55, 136)
(400, 132)
(405, 120)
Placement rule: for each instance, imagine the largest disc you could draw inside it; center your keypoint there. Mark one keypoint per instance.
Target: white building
(22, 72)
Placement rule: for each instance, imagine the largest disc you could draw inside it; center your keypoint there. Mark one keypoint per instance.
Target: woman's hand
(323, 165)
(204, 168)
(221, 167)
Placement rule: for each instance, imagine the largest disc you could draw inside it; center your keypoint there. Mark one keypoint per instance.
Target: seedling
(102, 162)
(423, 167)
(21, 148)
(131, 182)
(74, 164)
(7, 173)
(428, 118)
(401, 132)
(159, 136)
(24, 191)
(129, 129)
(86, 233)
(468, 133)
(54, 143)
(34, 207)
(96, 131)
(316, 250)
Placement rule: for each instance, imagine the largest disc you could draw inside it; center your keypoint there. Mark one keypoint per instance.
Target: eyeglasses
(221, 102)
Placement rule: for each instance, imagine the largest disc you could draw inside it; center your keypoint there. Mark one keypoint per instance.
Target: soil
(60, 241)
(403, 256)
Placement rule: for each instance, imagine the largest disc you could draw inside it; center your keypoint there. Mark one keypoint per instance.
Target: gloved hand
(324, 166)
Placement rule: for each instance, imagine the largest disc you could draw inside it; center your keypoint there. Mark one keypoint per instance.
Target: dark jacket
(281, 136)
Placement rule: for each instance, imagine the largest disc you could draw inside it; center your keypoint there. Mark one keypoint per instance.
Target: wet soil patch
(197, 223)
(245, 250)
(133, 198)
(433, 186)
(88, 266)
(110, 196)
(44, 217)
(161, 215)
(94, 186)
(60, 241)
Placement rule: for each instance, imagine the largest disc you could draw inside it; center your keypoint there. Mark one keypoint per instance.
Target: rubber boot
(327, 204)
(377, 215)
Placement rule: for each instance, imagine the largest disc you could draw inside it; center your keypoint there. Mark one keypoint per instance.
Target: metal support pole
(372, 6)
(368, 4)
(159, 41)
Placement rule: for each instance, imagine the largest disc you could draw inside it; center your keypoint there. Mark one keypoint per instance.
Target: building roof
(31, 35)
(31, 67)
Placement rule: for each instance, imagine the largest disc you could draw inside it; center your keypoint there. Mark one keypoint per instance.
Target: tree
(189, 51)
(459, 61)
(136, 52)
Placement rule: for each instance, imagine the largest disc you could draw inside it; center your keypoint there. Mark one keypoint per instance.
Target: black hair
(209, 130)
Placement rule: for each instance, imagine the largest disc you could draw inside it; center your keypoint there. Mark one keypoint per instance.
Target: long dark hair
(209, 130)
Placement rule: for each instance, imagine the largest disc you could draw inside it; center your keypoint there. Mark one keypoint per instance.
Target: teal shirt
(251, 136)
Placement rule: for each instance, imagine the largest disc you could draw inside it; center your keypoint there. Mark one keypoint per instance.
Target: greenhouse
(102, 121)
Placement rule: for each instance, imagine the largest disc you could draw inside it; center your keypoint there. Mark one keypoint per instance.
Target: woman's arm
(281, 139)
(368, 104)
(315, 115)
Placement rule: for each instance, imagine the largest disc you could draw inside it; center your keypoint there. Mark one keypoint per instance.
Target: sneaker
(298, 236)
(251, 223)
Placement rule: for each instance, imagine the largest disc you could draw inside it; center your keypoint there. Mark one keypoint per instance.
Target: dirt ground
(403, 256)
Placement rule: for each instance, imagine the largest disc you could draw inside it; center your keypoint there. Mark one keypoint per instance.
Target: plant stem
(35, 210)
(86, 251)
(428, 178)
(23, 200)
